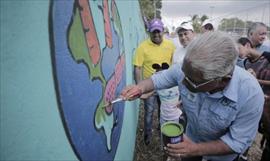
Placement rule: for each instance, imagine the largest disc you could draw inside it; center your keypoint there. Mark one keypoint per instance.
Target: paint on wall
(90, 71)
(80, 51)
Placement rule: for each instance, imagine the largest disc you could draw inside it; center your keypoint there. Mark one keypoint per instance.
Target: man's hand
(251, 71)
(131, 92)
(187, 148)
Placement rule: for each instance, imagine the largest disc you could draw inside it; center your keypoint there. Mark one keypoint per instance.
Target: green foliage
(203, 18)
(151, 8)
(197, 22)
(230, 23)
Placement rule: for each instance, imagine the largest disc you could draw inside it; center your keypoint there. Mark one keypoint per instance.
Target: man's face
(185, 36)
(194, 81)
(156, 37)
(244, 50)
(258, 36)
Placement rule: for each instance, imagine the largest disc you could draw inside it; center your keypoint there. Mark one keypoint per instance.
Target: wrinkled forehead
(156, 32)
(261, 29)
(191, 72)
(181, 31)
(187, 66)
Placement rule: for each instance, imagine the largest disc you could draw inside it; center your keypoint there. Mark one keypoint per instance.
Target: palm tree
(197, 21)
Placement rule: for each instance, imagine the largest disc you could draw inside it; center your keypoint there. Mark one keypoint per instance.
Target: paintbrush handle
(117, 100)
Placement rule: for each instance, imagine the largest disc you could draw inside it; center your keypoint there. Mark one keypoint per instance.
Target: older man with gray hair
(257, 34)
(223, 102)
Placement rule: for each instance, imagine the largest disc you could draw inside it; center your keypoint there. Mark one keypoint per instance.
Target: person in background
(207, 26)
(257, 35)
(244, 44)
(170, 105)
(259, 65)
(222, 101)
(246, 53)
(155, 50)
(166, 33)
(185, 34)
(169, 98)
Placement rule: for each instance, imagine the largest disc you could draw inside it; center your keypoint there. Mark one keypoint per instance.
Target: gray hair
(254, 26)
(214, 54)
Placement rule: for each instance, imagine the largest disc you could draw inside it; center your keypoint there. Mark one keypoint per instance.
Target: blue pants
(150, 104)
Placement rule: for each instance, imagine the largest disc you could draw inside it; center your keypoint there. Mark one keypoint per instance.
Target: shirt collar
(258, 45)
(230, 90)
(151, 43)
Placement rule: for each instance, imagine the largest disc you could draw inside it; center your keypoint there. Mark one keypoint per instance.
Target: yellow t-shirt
(149, 53)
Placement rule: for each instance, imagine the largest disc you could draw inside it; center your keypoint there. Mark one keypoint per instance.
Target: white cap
(186, 26)
(206, 22)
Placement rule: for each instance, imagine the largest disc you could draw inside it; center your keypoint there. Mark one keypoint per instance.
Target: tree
(231, 24)
(197, 22)
(151, 8)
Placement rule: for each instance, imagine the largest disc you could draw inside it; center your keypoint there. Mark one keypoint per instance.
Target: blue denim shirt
(264, 47)
(231, 115)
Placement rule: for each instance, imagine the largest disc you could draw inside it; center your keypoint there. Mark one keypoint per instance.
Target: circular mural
(89, 67)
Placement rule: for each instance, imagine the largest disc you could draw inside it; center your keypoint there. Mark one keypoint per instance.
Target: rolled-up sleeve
(244, 128)
(168, 78)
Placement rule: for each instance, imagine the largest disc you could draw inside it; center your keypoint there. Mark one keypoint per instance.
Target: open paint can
(172, 133)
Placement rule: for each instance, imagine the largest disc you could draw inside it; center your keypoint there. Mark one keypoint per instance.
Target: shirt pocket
(218, 120)
(189, 101)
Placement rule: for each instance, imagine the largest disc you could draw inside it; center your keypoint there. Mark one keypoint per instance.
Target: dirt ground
(153, 151)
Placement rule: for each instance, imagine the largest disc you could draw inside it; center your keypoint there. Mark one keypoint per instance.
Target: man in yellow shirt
(155, 50)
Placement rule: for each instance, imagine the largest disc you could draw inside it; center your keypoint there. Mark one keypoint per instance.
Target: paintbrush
(119, 99)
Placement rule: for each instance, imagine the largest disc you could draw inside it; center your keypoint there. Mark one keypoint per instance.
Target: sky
(174, 12)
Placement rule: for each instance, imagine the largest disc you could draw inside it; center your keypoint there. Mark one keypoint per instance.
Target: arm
(264, 82)
(187, 148)
(132, 92)
(166, 79)
(253, 55)
(137, 74)
(138, 78)
(243, 129)
(261, 81)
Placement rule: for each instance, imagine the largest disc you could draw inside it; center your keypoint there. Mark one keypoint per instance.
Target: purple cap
(156, 24)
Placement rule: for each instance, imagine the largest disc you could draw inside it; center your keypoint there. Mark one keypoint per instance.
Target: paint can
(172, 133)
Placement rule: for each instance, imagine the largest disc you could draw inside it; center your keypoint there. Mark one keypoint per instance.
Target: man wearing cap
(155, 50)
(185, 34)
(207, 26)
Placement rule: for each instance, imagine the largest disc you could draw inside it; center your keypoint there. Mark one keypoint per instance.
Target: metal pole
(155, 9)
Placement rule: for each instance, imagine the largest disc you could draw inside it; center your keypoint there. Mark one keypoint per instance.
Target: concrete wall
(58, 70)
